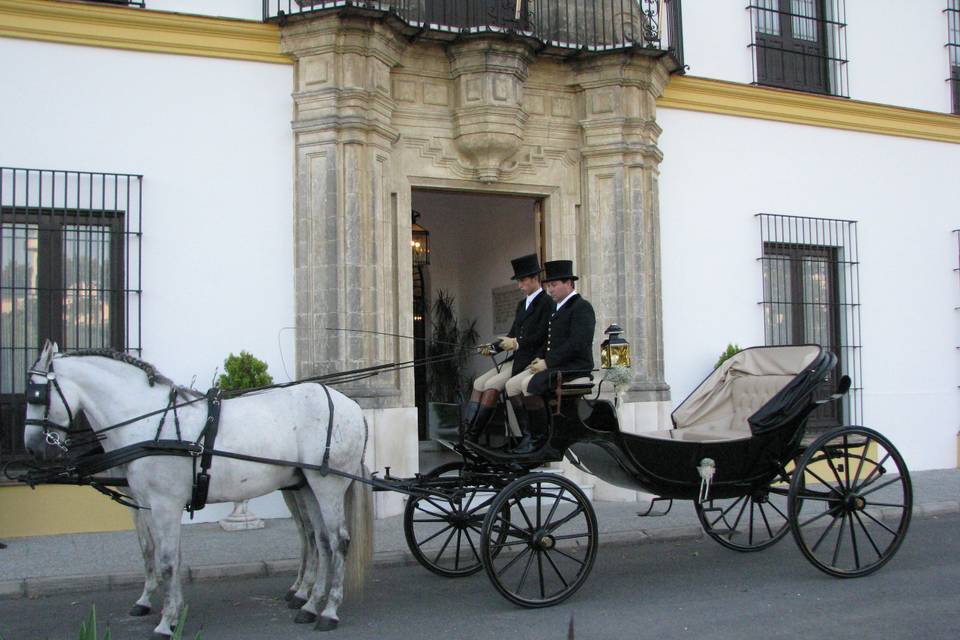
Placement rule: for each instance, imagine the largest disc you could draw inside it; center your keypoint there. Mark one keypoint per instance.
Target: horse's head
(51, 407)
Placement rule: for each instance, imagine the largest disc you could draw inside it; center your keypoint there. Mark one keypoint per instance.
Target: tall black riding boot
(539, 419)
(488, 405)
(523, 422)
(470, 409)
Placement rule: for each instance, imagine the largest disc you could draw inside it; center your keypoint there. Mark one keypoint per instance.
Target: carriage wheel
(550, 542)
(444, 534)
(850, 502)
(747, 523)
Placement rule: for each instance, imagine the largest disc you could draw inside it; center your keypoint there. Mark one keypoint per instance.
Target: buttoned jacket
(530, 329)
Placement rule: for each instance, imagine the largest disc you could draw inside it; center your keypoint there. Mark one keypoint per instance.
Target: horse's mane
(153, 376)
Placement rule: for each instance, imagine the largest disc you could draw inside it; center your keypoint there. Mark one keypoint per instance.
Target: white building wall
(720, 171)
(243, 9)
(213, 141)
(895, 49)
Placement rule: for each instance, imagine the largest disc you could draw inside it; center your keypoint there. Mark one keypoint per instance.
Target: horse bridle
(38, 394)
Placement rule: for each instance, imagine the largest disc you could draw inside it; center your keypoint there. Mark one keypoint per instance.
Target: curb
(56, 585)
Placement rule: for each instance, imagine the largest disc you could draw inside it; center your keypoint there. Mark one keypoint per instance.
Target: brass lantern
(614, 351)
(419, 242)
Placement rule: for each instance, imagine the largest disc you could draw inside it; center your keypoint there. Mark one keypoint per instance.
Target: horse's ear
(46, 354)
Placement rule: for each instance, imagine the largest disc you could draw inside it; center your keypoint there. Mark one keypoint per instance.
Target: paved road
(693, 589)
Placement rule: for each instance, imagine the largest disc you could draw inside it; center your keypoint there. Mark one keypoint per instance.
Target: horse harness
(85, 466)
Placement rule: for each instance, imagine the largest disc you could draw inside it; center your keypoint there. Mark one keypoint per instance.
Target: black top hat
(558, 270)
(525, 266)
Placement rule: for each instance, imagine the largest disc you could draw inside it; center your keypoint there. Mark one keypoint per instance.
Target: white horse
(288, 424)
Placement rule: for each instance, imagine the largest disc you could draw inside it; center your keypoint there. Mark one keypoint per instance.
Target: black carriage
(737, 449)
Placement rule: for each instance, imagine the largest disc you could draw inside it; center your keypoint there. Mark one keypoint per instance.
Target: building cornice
(133, 29)
(749, 101)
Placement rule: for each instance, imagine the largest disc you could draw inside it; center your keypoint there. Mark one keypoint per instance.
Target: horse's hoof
(305, 617)
(326, 624)
(139, 611)
(288, 596)
(296, 603)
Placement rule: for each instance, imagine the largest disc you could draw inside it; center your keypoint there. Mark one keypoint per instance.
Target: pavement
(43, 565)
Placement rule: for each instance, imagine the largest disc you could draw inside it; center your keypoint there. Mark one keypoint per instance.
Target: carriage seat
(577, 387)
(719, 409)
(747, 395)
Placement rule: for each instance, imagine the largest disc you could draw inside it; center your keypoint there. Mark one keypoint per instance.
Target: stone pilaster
(620, 165)
(349, 229)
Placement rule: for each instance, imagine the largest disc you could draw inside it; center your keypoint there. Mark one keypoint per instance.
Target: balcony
(557, 27)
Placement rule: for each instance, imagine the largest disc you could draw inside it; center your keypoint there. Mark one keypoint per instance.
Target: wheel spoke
(473, 548)
(814, 496)
(430, 520)
(836, 547)
(887, 504)
(777, 509)
(570, 557)
(825, 531)
(436, 560)
(733, 527)
(556, 570)
(863, 458)
(750, 522)
(432, 513)
(483, 504)
(441, 509)
(523, 512)
(517, 557)
(878, 522)
(526, 571)
(766, 523)
(456, 558)
(420, 543)
(869, 537)
(876, 468)
(556, 503)
(543, 591)
(853, 541)
(564, 520)
(539, 507)
(822, 481)
(880, 486)
(572, 536)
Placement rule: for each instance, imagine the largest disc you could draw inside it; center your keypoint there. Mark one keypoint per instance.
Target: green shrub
(244, 372)
(732, 350)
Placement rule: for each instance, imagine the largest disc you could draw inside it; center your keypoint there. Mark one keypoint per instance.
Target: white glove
(538, 365)
(508, 344)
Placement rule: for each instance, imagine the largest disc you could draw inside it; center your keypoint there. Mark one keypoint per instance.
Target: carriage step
(654, 511)
(719, 531)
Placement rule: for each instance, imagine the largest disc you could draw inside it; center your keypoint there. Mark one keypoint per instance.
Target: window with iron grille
(953, 52)
(800, 44)
(811, 296)
(70, 257)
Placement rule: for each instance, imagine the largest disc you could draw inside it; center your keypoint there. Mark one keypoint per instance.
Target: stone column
(352, 234)
(620, 166)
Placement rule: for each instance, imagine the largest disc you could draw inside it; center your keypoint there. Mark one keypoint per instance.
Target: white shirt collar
(562, 302)
(532, 296)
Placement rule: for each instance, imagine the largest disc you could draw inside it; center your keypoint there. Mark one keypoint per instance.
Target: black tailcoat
(530, 330)
(569, 346)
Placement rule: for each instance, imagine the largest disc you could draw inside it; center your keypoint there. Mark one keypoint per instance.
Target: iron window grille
(71, 272)
(561, 27)
(800, 44)
(953, 52)
(811, 295)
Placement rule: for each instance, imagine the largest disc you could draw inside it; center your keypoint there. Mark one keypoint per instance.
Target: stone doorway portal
(473, 237)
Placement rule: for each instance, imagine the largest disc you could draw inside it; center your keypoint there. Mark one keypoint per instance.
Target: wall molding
(133, 29)
(749, 101)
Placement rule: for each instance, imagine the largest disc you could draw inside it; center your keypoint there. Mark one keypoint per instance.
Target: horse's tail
(359, 512)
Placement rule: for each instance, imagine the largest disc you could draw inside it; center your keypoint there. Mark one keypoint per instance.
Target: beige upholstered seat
(721, 405)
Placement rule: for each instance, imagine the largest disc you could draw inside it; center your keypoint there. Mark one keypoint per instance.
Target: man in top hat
(525, 340)
(568, 350)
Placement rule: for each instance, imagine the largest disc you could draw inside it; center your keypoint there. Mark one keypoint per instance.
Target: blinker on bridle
(38, 394)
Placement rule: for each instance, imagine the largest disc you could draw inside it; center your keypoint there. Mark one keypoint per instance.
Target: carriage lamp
(614, 351)
(419, 242)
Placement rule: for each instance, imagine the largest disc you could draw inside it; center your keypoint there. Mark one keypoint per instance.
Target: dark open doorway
(472, 238)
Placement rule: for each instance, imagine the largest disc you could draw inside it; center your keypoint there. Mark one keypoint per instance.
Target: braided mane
(153, 376)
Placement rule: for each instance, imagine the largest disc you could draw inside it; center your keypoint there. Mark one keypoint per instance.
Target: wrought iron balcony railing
(560, 27)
